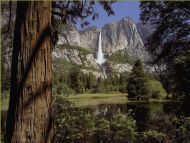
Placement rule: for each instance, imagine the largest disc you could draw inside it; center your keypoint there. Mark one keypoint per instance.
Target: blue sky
(122, 9)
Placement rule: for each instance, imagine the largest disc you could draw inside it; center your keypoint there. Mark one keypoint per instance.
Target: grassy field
(83, 100)
(95, 99)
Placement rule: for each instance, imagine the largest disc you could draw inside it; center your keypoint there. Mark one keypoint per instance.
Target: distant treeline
(137, 84)
(78, 82)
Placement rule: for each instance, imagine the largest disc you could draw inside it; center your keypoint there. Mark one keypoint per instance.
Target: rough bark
(30, 108)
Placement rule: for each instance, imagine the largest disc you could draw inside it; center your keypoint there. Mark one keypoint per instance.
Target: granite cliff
(122, 43)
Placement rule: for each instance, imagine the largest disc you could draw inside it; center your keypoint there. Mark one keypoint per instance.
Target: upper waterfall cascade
(100, 55)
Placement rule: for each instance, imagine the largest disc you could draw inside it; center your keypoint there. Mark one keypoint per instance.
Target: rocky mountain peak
(122, 36)
(144, 30)
(91, 28)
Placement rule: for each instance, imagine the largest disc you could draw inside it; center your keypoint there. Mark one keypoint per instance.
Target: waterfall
(100, 55)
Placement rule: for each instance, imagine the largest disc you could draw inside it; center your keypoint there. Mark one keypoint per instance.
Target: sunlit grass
(82, 100)
(95, 99)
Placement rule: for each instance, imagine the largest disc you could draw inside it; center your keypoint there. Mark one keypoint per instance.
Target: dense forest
(137, 84)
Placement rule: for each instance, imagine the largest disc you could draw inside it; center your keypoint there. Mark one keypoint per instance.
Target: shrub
(123, 129)
(59, 90)
(71, 124)
(182, 128)
(152, 136)
(63, 89)
(75, 125)
(155, 89)
(120, 129)
(102, 131)
(122, 89)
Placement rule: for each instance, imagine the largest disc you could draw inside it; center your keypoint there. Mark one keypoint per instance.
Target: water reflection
(143, 113)
(147, 115)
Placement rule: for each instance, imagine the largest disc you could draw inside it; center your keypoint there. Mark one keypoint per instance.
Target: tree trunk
(30, 108)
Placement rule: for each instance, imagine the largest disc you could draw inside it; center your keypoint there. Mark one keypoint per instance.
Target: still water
(142, 112)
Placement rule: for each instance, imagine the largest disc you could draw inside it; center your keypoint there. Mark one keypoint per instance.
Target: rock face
(69, 35)
(120, 68)
(144, 30)
(89, 38)
(119, 35)
(75, 55)
(123, 35)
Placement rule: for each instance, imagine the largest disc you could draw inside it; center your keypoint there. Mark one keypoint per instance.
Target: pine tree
(123, 82)
(137, 84)
(91, 81)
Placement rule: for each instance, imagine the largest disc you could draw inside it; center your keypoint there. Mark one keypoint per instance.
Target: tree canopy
(172, 28)
(170, 40)
(137, 84)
